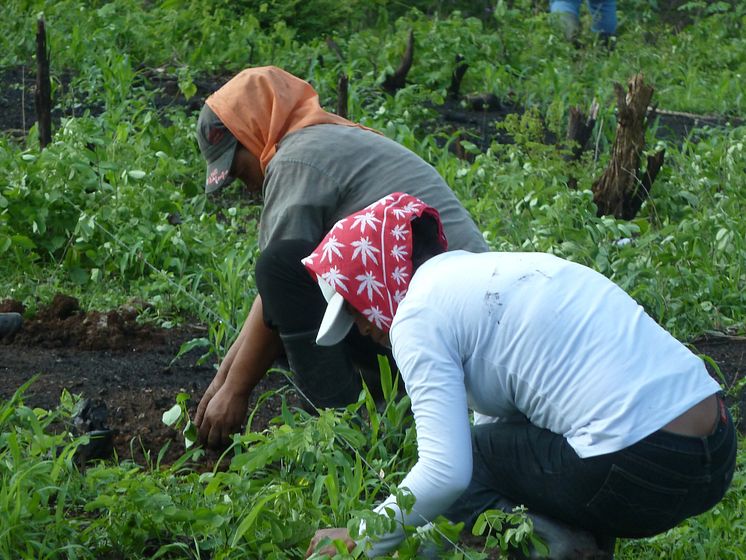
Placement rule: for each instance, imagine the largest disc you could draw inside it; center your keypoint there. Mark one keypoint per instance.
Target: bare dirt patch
(125, 367)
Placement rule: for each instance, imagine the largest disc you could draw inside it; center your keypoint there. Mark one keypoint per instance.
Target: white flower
(399, 295)
(331, 246)
(399, 275)
(365, 249)
(309, 259)
(368, 282)
(399, 212)
(375, 315)
(399, 252)
(340, 224)
(399, 231)
(385, 200)
(363, 220)
(334, 278)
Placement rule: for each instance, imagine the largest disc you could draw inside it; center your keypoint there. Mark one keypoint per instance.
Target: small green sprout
(178, 415)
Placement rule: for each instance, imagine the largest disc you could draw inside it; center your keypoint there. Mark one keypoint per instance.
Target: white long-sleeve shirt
(528, 334)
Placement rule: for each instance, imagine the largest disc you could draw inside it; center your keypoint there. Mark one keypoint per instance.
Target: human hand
(215, 385)
(222, 416)
(333, 534)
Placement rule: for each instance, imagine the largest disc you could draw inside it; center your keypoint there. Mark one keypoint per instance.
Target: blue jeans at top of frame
(603, 12)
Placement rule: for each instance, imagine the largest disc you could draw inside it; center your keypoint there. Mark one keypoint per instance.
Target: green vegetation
(303, 472)
(113, 210)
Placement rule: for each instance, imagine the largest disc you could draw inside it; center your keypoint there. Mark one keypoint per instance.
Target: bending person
(312, 168)
(586, 410)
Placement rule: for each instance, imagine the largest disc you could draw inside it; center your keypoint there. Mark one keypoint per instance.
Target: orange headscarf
(261, 105)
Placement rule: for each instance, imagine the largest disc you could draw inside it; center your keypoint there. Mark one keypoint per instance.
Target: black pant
(293, 305)
(640, 491)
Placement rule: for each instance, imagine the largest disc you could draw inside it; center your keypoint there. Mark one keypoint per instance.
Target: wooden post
(398, 79)
(342, 84)
(622, 188)
(43, 97)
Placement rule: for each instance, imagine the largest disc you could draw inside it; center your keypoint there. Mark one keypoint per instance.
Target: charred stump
(43, 96)
(454, 87)
(579, 129)
(394, 82)
(342, 87)
(623, 187)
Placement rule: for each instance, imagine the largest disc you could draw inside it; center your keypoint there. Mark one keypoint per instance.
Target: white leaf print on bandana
(331, 247)
(366, 257)
(366, 220)
(365, 250)
(334, 278)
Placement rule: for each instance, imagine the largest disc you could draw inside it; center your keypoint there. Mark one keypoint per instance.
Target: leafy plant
(506, 530)
(178, 416)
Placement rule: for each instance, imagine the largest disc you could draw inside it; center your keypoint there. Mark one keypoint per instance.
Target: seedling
(178, 416)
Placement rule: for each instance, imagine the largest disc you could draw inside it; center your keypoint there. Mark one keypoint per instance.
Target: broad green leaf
(79, 275)
(172, 415)
(23, 242)
(249, 520)
(190, 434)
(136, 174)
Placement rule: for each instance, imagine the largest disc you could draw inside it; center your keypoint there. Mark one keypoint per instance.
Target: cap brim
(336, 323)
(218, 171)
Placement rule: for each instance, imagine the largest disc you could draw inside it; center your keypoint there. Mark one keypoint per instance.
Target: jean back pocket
(634, 507)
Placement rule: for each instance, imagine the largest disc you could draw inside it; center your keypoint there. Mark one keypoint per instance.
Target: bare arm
(223, 407)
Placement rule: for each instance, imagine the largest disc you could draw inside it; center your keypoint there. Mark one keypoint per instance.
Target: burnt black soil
(127, 368)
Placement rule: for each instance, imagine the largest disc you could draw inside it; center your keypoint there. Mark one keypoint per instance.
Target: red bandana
(366, 257)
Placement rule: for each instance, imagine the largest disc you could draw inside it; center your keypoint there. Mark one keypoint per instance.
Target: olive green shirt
(324, 173)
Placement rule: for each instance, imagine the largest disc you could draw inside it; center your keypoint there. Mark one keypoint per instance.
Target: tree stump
(457, 76)
(43, 97)
(342, 88)
(397, 80)
(623, 187)
(579, 129)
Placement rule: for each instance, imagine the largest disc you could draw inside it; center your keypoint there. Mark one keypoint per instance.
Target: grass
(301, 473)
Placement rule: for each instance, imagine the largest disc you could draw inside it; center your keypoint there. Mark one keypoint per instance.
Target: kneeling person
(585, 409)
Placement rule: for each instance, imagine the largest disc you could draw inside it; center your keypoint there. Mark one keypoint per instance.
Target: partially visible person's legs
(564, 541)
(294, 306)
(568, 14)
(603, 13)
(565, 7)
(643, 490)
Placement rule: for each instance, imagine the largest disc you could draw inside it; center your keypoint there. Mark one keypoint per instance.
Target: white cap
(337, 321)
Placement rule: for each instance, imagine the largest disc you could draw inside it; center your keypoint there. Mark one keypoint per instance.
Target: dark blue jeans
(639, 491)
(603, 13)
